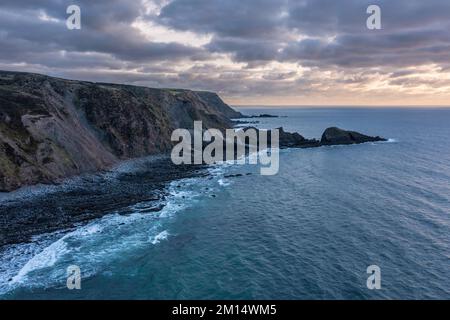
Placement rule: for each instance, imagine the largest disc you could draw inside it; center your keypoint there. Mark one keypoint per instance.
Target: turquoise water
(309, 232)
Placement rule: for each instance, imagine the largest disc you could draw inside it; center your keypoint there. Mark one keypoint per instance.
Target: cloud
(232, 18)
(263, 49)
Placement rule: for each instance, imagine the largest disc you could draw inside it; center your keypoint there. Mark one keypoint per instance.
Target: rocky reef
(336, 136)
(331, 136)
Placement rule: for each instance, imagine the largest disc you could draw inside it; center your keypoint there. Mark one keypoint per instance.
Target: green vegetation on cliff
(52, 128)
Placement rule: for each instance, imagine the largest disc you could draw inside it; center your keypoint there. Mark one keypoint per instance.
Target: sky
(251, 52)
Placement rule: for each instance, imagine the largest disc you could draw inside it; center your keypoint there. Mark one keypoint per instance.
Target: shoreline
(81, 199)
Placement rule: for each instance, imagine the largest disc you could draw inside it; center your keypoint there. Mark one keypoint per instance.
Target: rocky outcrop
(336, 136)
(331, 136)
(264, 115)
(295, 140)
(52, 128)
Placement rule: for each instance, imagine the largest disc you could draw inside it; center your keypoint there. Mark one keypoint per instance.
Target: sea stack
(336, 136)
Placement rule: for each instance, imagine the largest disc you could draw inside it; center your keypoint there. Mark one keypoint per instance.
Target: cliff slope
(52, 128)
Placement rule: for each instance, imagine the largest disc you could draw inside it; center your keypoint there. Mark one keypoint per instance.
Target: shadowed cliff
(52, 128)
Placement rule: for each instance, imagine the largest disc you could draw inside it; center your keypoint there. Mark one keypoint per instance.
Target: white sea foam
(45, 259)
(223, 182)
(391, 140)
(159, 237)
(42, 263)
(53, 252)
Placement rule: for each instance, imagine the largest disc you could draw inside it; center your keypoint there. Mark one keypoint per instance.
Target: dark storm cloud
(106, 28)
(394, 49)
(96, 13)
(260, 30)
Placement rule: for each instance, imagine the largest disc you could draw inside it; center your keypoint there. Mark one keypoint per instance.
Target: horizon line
(387, 106)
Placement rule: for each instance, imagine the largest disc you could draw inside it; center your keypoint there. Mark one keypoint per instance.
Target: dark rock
(233, 175)
(336, 136)
(331, 136)
(295, 140)
(240, 122)
(79, 201)
(264, 115)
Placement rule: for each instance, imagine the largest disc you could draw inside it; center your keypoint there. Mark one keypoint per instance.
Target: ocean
(309, 232)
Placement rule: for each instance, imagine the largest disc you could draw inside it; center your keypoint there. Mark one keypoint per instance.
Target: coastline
(80, 199)
(41, 209)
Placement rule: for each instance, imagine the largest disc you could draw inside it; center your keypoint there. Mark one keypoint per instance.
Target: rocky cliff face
(53, 128)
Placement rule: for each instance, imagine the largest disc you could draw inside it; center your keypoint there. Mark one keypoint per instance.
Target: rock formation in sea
(331, 136)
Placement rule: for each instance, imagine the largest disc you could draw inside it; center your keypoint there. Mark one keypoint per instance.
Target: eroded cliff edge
(53, 128)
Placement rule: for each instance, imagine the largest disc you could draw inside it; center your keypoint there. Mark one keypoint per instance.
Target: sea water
(309, 232)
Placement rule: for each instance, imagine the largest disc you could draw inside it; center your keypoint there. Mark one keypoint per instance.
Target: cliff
(52, 128)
